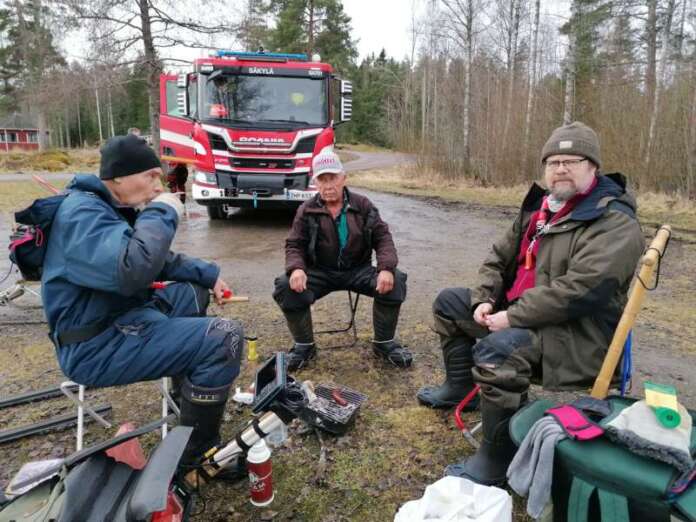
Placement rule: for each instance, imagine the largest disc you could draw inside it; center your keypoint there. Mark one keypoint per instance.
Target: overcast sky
(376, 24)
(381, 24)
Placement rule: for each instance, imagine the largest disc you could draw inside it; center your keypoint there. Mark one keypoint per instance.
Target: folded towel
(531, 470)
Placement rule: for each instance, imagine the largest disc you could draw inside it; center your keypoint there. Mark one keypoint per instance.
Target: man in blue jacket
(108, 324)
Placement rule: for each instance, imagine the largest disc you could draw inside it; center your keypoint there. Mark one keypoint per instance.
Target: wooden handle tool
(633, 306)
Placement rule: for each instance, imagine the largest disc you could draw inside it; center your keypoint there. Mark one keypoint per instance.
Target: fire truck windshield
(242, 99)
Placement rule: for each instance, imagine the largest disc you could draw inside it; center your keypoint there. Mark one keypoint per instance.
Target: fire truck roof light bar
(262, 56)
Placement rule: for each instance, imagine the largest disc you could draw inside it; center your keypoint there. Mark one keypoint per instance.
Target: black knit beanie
(574, 138)
(126, 155)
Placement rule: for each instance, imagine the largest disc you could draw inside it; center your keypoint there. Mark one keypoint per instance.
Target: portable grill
(325, 413)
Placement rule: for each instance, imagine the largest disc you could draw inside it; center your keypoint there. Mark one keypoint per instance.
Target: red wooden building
(18, 132)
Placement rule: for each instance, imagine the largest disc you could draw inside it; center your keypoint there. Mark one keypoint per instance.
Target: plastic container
(278, 436)
(260, 474)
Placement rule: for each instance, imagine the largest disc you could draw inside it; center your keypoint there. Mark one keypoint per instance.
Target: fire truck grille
(262, 163)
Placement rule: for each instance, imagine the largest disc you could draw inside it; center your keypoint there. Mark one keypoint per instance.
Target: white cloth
(456, 499)
(172, 200)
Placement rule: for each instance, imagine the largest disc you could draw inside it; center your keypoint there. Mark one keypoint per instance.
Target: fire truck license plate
(300, 195)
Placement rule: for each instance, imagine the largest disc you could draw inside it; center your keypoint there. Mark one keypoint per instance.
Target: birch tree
(531, 78)
(661, 69)
(153, 25)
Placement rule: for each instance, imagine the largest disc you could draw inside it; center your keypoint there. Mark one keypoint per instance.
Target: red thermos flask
(260, 474)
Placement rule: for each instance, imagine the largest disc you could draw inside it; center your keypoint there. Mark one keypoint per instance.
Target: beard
(563, 191)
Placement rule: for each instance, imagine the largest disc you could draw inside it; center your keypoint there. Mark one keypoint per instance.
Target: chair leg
(353, 307)
(165, 404)
(80, 416)
(82, 407)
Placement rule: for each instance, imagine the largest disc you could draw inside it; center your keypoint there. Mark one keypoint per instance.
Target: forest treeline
(484, 84)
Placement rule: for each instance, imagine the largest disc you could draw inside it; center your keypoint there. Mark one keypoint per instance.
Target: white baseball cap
(326, 162)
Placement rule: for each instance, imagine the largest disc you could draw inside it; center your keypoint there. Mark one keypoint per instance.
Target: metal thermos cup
(260, 474)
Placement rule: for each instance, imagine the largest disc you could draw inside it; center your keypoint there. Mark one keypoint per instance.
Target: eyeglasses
(566, 164)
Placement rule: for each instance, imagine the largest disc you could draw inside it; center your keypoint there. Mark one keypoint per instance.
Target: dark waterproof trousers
(362, 280)
(169, 336)
(503, 361)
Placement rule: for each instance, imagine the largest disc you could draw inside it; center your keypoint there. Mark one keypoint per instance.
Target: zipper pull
(529, 257)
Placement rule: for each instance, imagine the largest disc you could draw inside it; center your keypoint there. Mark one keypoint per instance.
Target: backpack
(29, 241)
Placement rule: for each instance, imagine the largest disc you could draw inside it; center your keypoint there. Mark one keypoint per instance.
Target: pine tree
(584, 30)
(313, 26)
(26, 59)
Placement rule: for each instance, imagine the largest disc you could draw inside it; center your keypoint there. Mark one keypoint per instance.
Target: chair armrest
(150, 493)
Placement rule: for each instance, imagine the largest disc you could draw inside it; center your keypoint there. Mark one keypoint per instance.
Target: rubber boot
(304, 349)
(202, 408)
(384, 320)
(458, 379)
(488, 466)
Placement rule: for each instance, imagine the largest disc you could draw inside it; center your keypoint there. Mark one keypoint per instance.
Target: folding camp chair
(83, 407)
(353, 307)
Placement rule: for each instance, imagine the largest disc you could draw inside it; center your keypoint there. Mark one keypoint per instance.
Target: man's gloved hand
(172, 200)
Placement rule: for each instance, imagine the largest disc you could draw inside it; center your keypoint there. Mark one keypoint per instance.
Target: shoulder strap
(613, 507)
(312, 224)
(370, 220)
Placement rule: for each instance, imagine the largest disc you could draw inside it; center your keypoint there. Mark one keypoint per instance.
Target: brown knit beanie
(575, 138)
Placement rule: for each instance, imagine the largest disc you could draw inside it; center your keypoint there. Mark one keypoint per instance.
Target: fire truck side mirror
(182, 102)
(346, 100)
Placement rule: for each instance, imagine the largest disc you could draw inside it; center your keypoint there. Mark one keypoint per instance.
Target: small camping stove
(333, 409)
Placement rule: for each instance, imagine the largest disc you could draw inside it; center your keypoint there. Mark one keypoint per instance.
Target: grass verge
(652, 208)
(53, 160)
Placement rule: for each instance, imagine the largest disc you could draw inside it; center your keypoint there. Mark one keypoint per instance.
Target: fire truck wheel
(216, 212)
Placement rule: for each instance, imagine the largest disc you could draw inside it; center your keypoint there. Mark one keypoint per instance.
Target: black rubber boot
(304, 349)
(202, 408)
(175, 390)
(299, 355)
(488, 466)
(384, 320)
(458, 379)
(392, 352)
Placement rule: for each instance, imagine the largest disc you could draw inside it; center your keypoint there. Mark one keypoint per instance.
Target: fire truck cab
(247, 125)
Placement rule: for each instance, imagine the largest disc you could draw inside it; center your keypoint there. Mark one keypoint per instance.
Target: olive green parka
(584, 268)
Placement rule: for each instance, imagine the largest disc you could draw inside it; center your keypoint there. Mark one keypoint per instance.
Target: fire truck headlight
(205, 177)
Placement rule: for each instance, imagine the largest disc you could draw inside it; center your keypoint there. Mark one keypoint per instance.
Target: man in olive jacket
(330, 248)
(548, 299)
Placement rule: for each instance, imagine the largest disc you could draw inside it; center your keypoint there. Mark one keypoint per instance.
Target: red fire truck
(248, 125)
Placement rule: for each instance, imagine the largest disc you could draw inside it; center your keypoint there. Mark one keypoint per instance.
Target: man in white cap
(329, 248)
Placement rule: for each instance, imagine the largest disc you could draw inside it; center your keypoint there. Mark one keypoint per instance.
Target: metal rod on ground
(37, 395)
(633, 306)
(54, 423)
